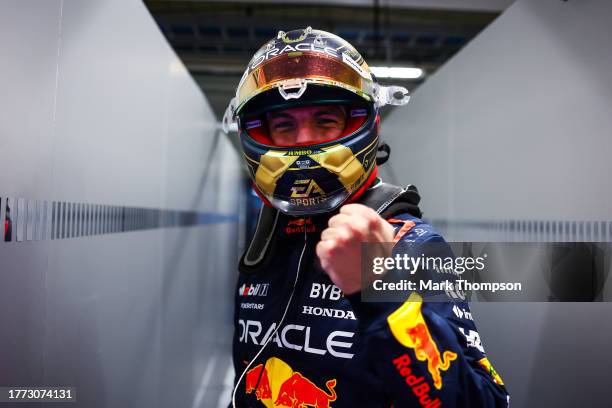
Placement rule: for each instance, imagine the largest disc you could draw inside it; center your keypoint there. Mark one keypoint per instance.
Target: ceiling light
(397, 72)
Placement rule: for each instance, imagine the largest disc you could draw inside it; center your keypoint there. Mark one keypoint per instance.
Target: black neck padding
(386, 199)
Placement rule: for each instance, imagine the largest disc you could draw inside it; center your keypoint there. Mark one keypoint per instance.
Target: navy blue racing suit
(336, 351)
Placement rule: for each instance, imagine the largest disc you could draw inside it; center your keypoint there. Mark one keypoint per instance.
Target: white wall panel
(111, 103)
(519, 119)
(516, 130)
(97, 110)
(27, 95)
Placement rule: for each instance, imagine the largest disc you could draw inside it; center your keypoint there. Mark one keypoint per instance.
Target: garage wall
(122, 201)
(510, 141)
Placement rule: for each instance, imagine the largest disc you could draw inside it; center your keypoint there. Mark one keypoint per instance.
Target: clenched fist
(340, 247)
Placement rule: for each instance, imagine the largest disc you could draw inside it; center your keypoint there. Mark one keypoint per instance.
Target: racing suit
(333, 350)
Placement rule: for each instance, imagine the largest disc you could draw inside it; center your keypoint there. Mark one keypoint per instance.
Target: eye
(283, 125)
(327, 120)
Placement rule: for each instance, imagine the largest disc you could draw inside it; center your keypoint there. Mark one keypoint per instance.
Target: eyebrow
(323, 111)
(275, 115)
(330, 111)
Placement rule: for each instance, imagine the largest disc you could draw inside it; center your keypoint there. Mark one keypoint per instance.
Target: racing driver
(307, 114)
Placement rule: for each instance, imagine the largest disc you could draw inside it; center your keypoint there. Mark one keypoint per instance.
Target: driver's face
(306, 125)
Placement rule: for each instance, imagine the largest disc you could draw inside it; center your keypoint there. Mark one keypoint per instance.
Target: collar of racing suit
(274, 226)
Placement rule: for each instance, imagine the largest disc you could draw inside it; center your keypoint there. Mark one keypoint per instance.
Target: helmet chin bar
(330, 204)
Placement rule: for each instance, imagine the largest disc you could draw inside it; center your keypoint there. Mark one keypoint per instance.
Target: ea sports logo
(305, 188)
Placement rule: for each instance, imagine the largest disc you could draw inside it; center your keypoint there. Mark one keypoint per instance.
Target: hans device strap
(389, 200)
(262, 242)
(386, 199)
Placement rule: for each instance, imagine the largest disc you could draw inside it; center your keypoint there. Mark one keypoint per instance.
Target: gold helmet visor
(294, 70)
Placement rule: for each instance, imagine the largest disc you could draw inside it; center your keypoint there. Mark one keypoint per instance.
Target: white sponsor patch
(327, 312)
(462, 313)
(253, 124)
(355, 113)
(348, 60)
(473, 339)
(258, 306)
(323, 291)
(297, 337)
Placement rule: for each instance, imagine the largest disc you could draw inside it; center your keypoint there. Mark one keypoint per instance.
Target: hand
(340, 247)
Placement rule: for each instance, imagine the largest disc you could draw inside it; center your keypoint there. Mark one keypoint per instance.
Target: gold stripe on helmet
(341, 161)
(272, 166)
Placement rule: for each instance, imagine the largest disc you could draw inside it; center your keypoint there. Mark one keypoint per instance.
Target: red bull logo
(299, 391)
(257, 380)
(426, 349)
(299, 225)
(410, 329)
(276, 385)
(300, 222)
(420, 388)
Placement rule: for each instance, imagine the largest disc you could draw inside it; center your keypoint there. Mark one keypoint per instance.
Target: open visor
(292, 71)
(356, 116)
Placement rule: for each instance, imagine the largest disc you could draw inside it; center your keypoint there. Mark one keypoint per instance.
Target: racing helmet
(307, 68)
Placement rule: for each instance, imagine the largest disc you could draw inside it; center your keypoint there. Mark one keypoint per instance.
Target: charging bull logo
(257, 379)
(409, 328)
(426, 349)
(299, 391)
(300, 222)
(277, 385)
(299, 226)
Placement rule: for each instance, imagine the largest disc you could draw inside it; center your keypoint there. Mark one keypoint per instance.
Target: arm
(428, 353)
(425, 358)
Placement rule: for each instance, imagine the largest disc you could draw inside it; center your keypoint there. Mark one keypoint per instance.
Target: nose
(306, 133)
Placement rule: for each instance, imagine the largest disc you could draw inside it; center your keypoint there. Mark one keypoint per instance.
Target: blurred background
(125, 209)
(216, 40)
